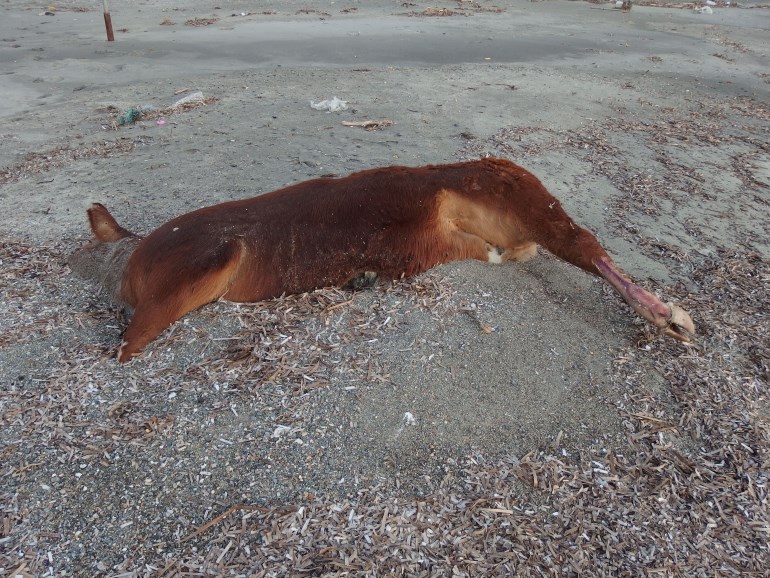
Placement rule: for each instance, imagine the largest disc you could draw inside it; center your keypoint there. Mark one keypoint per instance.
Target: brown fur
(392, 221)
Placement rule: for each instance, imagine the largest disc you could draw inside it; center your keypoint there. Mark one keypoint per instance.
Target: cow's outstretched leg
(559, 235)
(672, 319)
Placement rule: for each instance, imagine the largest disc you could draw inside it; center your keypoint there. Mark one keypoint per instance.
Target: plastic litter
(196, 96)
(134, 114)
(704, 10)
(130, 116)
(333, 105)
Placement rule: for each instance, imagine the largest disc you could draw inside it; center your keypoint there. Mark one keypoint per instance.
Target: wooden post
(108, 22)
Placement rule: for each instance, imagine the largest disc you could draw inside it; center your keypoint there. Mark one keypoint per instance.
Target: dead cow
(390, 221)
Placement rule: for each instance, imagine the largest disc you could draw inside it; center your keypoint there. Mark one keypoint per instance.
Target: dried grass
(312, 11)
(186, 107)
(434, 12)
(660, 507)
(686, 494)
(201, 21)
(464, 8)
(687, 5)
(40, 162)
(36, 163)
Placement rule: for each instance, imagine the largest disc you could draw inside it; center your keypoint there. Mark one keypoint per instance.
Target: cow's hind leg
(165, 302)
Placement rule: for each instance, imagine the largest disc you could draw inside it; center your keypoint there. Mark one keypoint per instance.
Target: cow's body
(391, 221)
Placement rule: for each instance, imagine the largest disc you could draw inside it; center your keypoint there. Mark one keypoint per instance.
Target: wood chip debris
(39, 162)
(201, 21)
(368, 124)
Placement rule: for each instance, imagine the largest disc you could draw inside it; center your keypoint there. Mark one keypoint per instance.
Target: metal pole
(108, 22)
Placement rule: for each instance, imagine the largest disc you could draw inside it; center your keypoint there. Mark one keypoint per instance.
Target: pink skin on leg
(672, 319)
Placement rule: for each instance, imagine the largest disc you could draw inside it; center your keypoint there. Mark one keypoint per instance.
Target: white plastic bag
(194, 97)
(333, 105)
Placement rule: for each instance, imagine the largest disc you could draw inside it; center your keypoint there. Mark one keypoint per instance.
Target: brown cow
(391, 221)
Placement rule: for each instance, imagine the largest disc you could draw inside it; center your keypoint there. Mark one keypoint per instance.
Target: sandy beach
(477, 420)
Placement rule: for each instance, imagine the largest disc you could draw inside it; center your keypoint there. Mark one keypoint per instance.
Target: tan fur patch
(494, 226)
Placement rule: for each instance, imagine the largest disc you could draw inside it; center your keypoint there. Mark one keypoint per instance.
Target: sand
(650, 126)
